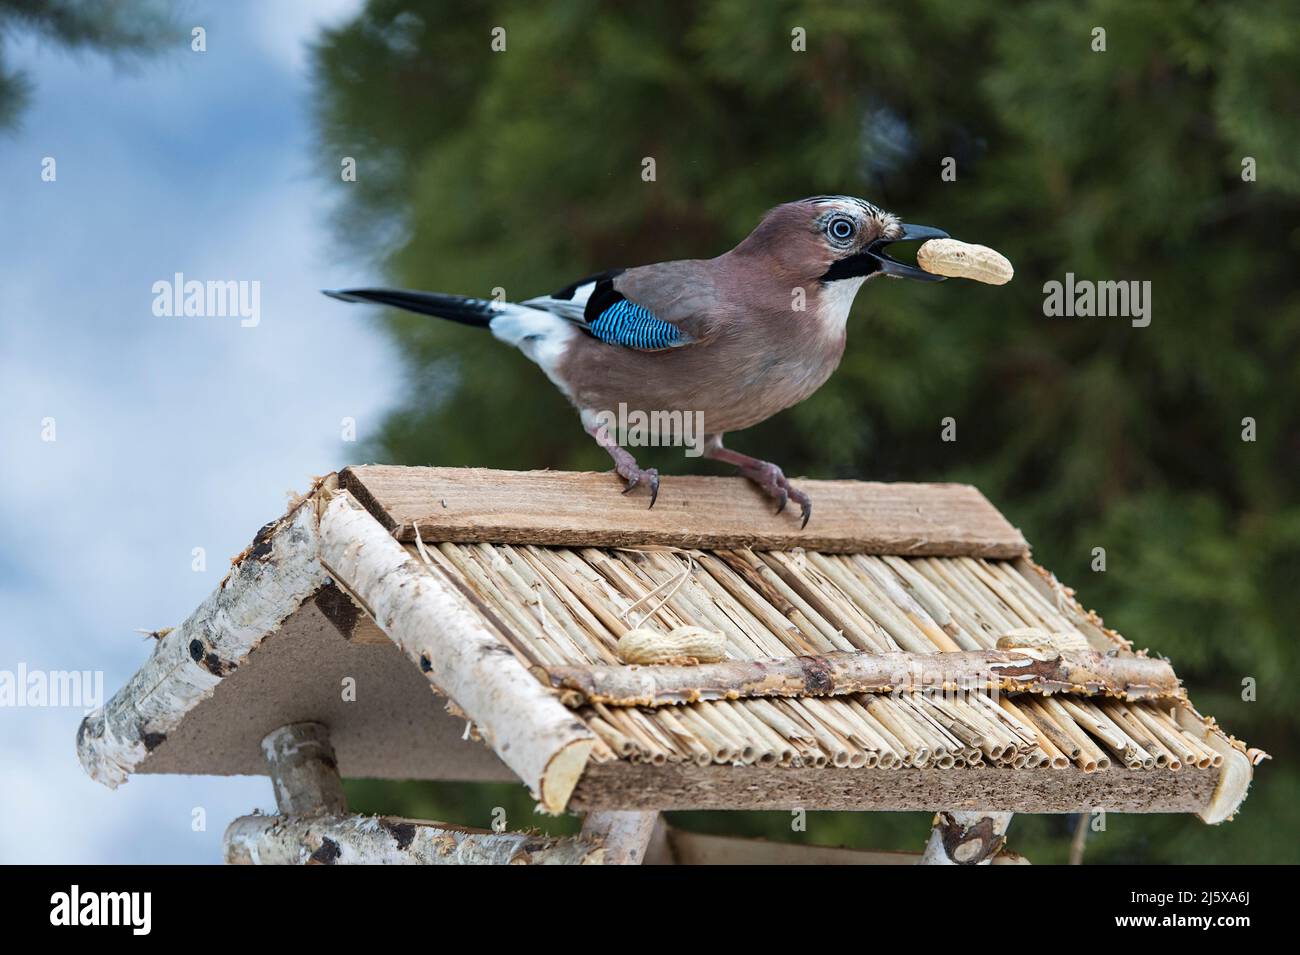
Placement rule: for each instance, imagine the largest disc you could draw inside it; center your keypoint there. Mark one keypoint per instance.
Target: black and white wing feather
(602, 311)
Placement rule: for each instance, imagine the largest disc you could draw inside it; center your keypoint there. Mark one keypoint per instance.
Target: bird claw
(634, 476)
(805, 508)
(790, 493)
(776, 486)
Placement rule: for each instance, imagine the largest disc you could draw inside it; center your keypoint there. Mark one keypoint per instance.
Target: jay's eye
(841, 229)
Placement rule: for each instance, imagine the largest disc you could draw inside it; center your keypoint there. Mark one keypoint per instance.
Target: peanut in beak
(955, 259)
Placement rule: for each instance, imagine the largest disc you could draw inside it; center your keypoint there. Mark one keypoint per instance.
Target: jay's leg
(765, 474)
(624, 463)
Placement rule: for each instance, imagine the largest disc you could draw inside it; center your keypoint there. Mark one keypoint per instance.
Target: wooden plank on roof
(560, 508)
(679, 786)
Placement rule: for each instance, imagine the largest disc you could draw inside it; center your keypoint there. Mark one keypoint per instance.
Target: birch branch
(625, 836)
(382, 840)
(1084, 672)
(265, 586)
(966, 838)
(304, 771)
(541, 741)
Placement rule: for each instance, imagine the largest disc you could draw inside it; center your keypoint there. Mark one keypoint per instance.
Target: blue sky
(171, 433)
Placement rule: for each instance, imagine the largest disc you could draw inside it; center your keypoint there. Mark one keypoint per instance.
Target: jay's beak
(891, 266)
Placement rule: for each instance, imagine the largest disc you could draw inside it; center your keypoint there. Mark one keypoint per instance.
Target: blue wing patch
(628, 324)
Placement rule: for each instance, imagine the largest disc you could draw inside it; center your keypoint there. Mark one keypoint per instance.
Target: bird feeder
(903, 652)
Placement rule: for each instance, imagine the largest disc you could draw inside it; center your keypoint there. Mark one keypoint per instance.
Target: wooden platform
(558, 508)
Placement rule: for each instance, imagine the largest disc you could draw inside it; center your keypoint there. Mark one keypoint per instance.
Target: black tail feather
(477, 312)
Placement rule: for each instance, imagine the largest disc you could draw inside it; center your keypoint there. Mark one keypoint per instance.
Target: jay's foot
(777, 486)
(770, 478)
(634, 474)
(626, 465)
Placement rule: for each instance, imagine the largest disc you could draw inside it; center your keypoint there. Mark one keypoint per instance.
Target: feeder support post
(625, 836)
(303, 770)
(966, 838)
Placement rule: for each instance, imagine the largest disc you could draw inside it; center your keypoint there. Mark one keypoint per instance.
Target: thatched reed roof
(552, 569)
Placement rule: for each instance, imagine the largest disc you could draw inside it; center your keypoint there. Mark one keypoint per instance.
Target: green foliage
(522, 170)
(115, 28)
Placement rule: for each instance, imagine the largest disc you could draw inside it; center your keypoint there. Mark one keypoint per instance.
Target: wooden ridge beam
(559, 508)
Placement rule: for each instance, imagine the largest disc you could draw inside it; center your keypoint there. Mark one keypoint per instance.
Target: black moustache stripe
(852, 266)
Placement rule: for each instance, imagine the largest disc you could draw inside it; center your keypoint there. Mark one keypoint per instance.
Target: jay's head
(832, 238)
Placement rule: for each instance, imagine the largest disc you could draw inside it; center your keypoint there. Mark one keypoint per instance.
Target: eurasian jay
(736, 338)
